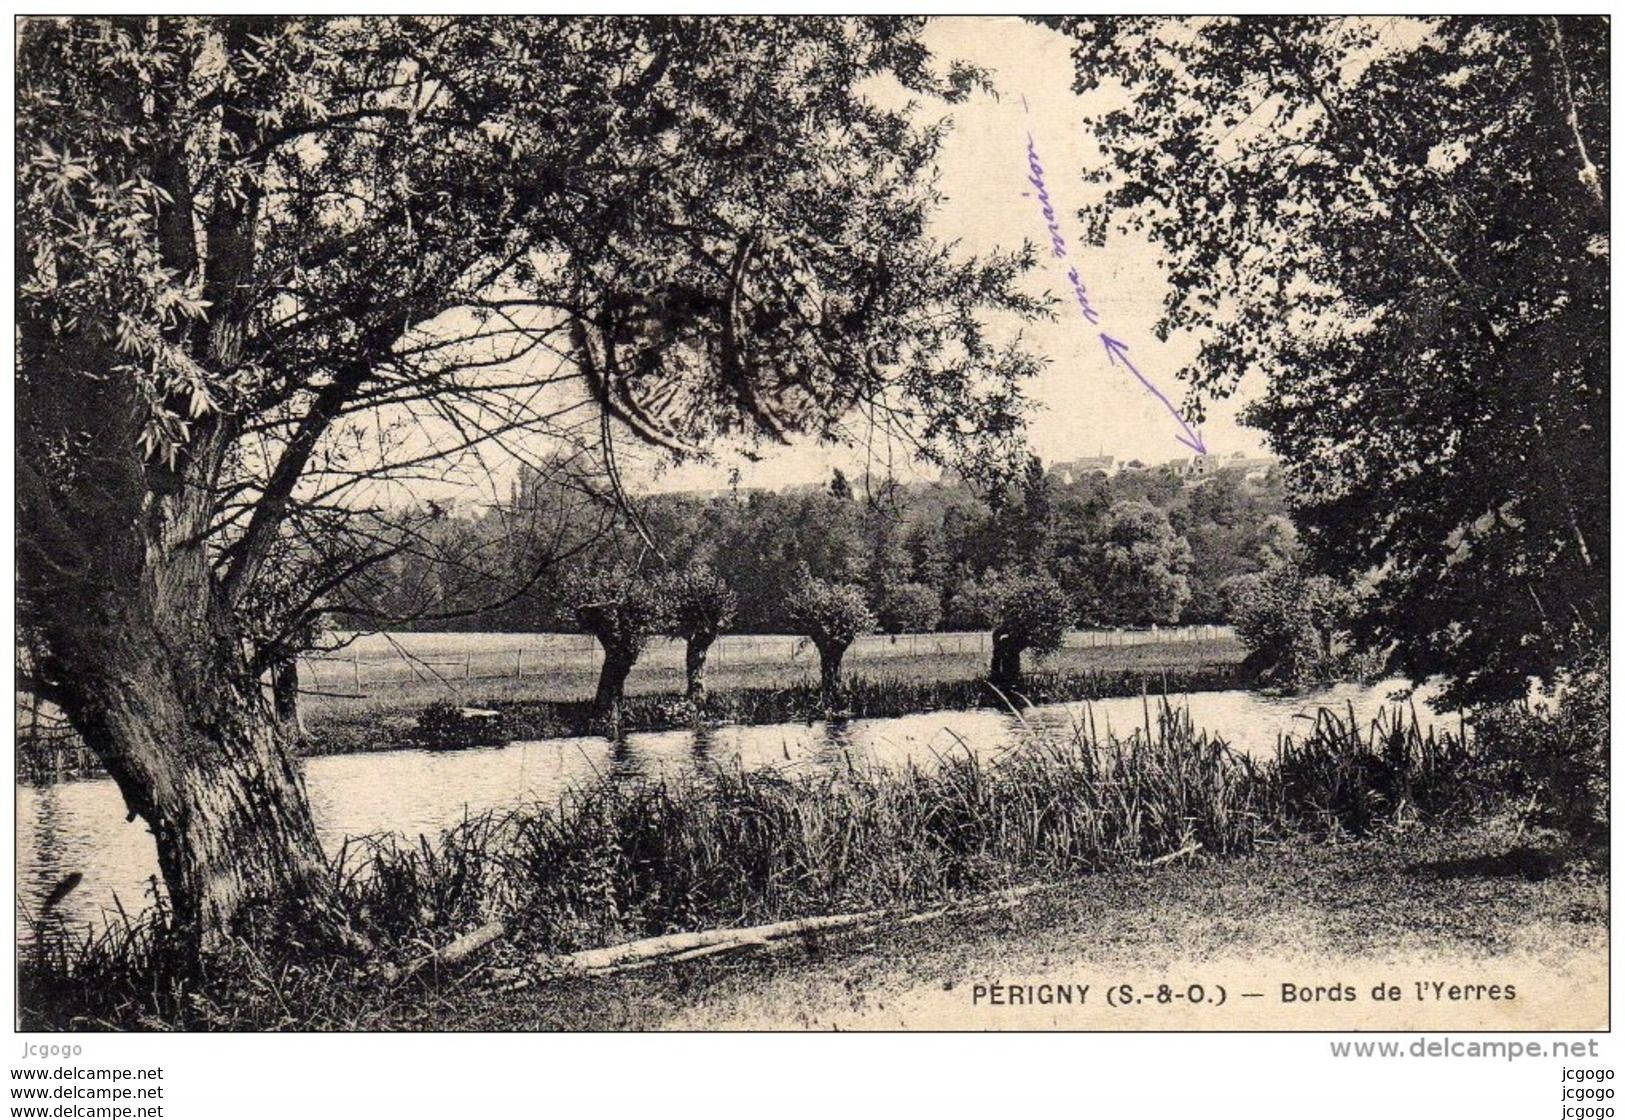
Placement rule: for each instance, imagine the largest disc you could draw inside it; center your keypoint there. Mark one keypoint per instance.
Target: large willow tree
(269, 266)
(1403, 225)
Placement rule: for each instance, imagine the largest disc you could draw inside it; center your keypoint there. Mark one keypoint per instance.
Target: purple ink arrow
(1117, 352)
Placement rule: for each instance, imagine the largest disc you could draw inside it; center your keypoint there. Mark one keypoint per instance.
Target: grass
(770, 666)
(1292, 909)
(731, 847)
(550, 706)
(760, 688)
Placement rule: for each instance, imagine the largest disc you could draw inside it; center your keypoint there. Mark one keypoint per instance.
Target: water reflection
(81, 826)
(704, 743)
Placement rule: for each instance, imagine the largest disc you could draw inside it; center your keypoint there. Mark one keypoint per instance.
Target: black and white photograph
(806, 523)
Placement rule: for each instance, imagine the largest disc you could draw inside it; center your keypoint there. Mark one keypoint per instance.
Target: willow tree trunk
(148, 665)
(830, 654)
(1006, 668)
(285, 696)
(618, 662)
(141, 640)
(699, 646)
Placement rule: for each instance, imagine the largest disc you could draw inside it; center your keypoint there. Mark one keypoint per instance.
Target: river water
(80, 826)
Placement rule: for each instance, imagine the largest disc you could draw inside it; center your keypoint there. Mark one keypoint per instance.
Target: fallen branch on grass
(675, 947)
(1004, 900)
(1187, 850)
(686, 946)
(457, 950)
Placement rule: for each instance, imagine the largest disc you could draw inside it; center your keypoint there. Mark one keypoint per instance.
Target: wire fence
(404, 658)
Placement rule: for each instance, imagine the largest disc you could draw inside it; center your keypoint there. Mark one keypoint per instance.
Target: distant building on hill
(1071, 471)
(1206, 466)
(716, 493)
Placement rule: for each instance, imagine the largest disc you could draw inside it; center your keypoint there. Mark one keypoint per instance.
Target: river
(80, 826)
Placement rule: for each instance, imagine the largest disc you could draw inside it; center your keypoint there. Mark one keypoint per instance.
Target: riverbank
(1483, 902)
(775, 692)
(521, 891)
(1475, 904)
(552, 703)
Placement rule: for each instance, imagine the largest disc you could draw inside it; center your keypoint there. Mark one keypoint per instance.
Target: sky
(1085, 404)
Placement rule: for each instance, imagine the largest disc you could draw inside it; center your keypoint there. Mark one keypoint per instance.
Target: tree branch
(250, 550)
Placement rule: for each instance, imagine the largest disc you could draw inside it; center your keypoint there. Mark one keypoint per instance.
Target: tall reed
(727, 846)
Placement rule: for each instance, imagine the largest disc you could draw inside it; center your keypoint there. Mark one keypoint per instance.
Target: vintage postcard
(634, 523)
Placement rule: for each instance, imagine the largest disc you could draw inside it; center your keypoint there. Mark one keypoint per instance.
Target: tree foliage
(1403, 224)
(832, 616)
(1232, 528)
(917, 550)
(397, 210)
(1292, 622)
(908, 608)
(699, 605)
(271, 270)
(1135, 570)
(832, 613)
(623, 609)
(1027, 611)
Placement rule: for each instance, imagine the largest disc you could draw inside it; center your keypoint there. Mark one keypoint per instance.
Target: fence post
(468, 665)
(355, 665)
(518, 663)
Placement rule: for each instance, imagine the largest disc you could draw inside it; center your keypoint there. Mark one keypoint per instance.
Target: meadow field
(442, 662)
(368, 694)
(750, 678)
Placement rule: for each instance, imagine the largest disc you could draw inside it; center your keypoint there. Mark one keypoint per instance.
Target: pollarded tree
(1290, 620)
(1403, 223)
(832, 616)
(623, 609)
(699, 608)
(1026, 611)
(266, 264)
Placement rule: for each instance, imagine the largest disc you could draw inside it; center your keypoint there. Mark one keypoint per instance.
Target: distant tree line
(1133, 550)
(1027, 560)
